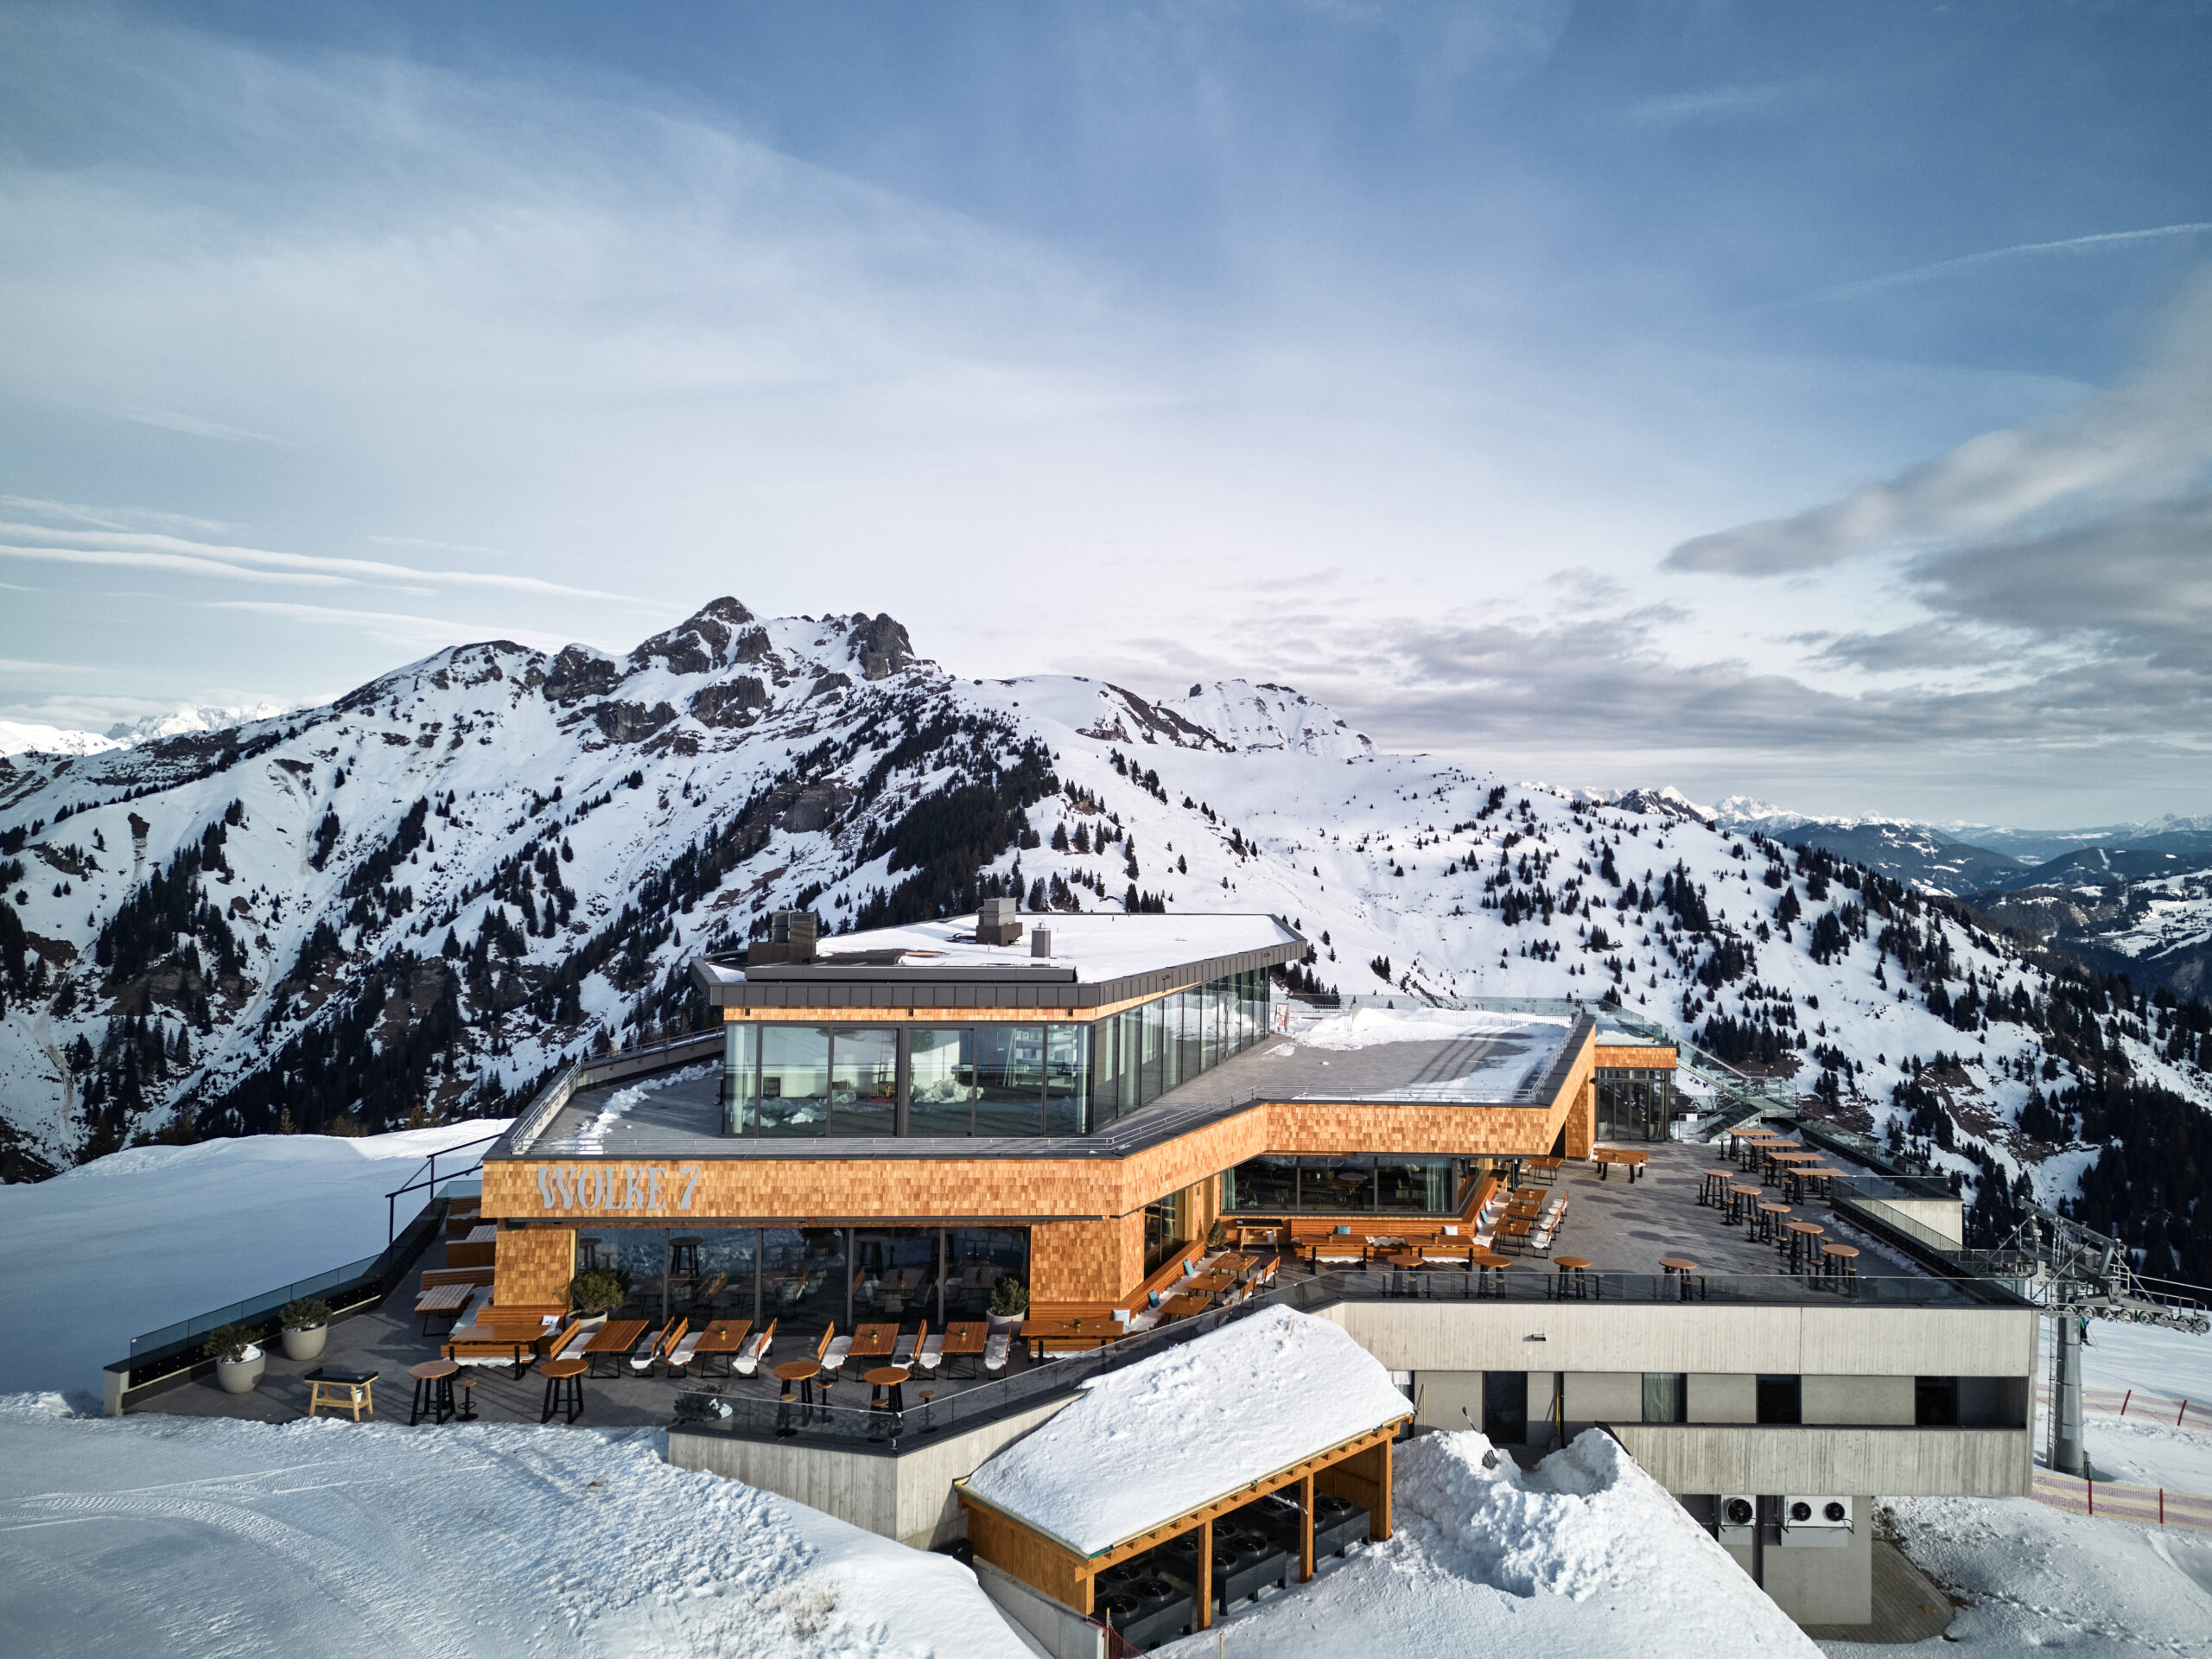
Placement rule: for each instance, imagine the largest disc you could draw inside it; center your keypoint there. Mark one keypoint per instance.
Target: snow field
(142, 1238)
(147, 1534)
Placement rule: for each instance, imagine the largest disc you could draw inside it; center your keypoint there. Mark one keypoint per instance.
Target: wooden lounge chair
(997, 1349)
(830, 1353)
(680, 1358)
(748, 1358)
(902, 1352)
(930, 1354)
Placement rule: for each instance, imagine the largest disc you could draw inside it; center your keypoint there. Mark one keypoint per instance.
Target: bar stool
(1572, 1278)
(684, 1258)
(564, 1389)
(432, 1390)
(466, 1384)
(1764, 1219)
(1802, 1237)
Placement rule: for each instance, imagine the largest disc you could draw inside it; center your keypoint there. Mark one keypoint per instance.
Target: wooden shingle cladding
(1636, 1057)
(1358, 1469)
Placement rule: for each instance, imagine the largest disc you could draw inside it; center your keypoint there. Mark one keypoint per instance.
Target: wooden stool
(344, 1391)
(564, 1387)
(466, 1384)
(432, 1390)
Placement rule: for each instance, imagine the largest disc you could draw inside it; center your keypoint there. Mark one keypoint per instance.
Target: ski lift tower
(2079, 1275)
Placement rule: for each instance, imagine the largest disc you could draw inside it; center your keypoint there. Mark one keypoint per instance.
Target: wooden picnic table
(443, 1299)
(873, 1342)
(1209, 1284)
(723, 1336)
(966, 1339)
(518, 1339)
(616, 1337)
(1087, 1332)
(1606, 1157)
(1184, 1307)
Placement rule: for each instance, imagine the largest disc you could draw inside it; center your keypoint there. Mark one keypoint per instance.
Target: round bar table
(887, 1378)
(1763, 1220)
(1802, 1237)
(432, 1390)
(564, 1387)
(801, 1371)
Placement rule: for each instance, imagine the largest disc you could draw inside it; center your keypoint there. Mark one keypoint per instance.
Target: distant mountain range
(30, 737)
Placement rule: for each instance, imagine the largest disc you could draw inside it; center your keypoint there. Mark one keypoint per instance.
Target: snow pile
(592, 1135)
(1369, 1027)
(143, 1238)
(320, 1537)
(1173, 1431)
(1584, 1558)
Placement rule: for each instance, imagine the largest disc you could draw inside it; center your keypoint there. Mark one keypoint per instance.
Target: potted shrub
(239, 1359)
(1009, 1304)
(306, 1323)
(1217, 1236)
(597, 1292)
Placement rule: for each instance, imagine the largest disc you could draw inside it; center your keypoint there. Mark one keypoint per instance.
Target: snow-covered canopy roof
(1159, 1439)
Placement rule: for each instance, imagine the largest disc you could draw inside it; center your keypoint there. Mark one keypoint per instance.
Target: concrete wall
(1448, 1399)
(1943, 1217)
(1722, 1397)
(909, 1497)
(1824, 1586)
(1595, 1397)
(1062, 1633)
(1862, 1400)
(1896, 1462)
(1846, 1340)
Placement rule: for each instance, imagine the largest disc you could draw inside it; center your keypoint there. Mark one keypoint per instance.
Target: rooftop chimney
(791, 934)
(998, 921)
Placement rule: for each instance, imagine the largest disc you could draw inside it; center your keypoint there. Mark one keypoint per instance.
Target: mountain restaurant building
(1067, 1100)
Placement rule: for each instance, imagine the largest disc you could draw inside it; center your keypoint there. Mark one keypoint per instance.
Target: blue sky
(1812, 402)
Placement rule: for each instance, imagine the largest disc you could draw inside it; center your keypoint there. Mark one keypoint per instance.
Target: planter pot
(1006, 1324)
(239, 1376)
(305, 1344)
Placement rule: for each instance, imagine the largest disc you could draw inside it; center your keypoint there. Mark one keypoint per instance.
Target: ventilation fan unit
(1739, 1517)
(1815, 1520)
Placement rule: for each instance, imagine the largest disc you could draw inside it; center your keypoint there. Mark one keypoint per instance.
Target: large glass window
(1161, 1233)
(1265, 1183)
(1067, 1078)
(1009, 1079)
(1336, 1183)
(794, 1080)
(802, 1283)
(894, 1276)
(977, 1258)
(1417, 1182)
(864, 1080)
(941, 1069)
(741, 1077)
(1666, 1397)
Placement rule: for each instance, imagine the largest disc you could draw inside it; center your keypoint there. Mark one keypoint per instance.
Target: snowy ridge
(572, 828)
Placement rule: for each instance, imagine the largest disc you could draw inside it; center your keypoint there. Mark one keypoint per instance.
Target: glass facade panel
(864, 1080)
(1266, 1182)
(1419, 1182)
(741, 1077)
(794, 1080)
(1336, 1183)
(977, 1258)
(1009, 1079)
(1160, 1239)
(1023, 1079)
(1666, 1397)
(941, 1069)
(1067, 1078)
(894, 1274)
(802, 1283)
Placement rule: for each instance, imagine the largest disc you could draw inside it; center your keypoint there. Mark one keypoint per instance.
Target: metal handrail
(391, 1199)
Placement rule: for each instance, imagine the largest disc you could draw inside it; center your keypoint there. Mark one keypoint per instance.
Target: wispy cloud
(112, 517)
(2102, 242)
(395, 628)
(152, 551)
(1717, 104)
(192, 426)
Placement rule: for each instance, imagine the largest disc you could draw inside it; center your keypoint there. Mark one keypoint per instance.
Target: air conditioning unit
(1738, 1517)
(1815, 1520)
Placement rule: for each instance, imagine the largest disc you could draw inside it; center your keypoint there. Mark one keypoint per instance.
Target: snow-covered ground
(153, 1535)
(142, 1238)
(2140, 1449)
(1584, 1557)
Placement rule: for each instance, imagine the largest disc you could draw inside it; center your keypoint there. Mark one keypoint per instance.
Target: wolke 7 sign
(597, 1187)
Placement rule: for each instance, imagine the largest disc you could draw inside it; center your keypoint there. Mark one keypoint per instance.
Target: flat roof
(1097, 958)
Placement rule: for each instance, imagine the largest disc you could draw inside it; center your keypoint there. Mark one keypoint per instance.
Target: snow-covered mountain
(20, 737)
(414, 902)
